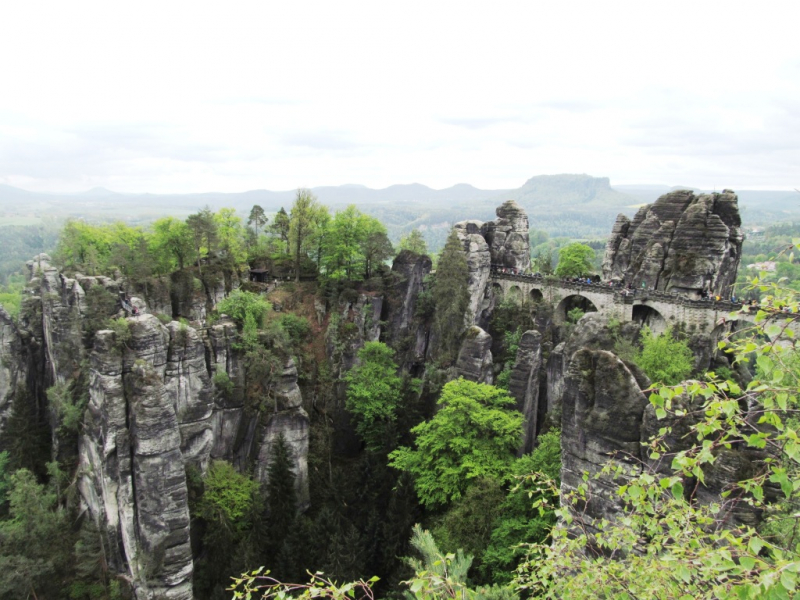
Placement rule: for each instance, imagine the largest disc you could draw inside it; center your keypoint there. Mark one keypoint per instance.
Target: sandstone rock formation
(132, 476)
(683, 243)
(404, 331)
(475, 357)
(508, 237)
(524, 385)
(153, 410)
(479, 261)
(13, 371)
(605, 416)
(503, 242)
(601, 418)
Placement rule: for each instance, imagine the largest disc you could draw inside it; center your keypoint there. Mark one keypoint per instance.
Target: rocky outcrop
(475, 357)
(351, 326)
(605, 415)
(508, 237)
(479, 262)
(290, 421)
(601, 416)
(524, 383)
(683, 243)
(408, 275)
(13, 371)
(131, 472)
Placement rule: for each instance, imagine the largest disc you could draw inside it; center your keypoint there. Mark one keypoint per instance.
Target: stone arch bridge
(658, 310)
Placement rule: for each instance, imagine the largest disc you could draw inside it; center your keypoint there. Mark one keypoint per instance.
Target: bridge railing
(621, 294)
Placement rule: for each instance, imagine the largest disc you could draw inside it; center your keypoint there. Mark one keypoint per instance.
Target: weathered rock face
(508, 237)
(479, 262)
(408, 271)
(132, 476)
(13, 369)
(682, 243)
(352, 325)
(475, 357)
(524, 385)
(601, 417)
(606, 416)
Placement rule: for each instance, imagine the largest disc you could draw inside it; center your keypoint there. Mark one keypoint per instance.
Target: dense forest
(415, 477)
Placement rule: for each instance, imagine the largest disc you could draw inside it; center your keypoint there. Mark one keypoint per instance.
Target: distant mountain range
(578, 206)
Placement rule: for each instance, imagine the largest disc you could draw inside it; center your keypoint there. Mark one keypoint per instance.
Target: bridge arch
(648, 316)
(497, 289)
(536, 295)
(570, 303)
(515, 294)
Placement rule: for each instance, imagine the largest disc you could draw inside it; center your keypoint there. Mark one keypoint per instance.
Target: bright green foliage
(354, 245)
(228, 495)
(302, 222)
(297, 328)
(122, 332)
(375, 245)
(172, 244)
(11, 297)
(68, 409)
(451, 297)
(231, 237)
(413, 242)
(663, 358)
(669, 543)
(574, 260)
(516, 520)
(258, 585)
(373, 395)
(575, 315)
(474, 434)
(91, 248)
(240, 305)
(444, 576)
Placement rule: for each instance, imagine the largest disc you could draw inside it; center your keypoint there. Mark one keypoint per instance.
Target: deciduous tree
(574, 260)
(475, 433)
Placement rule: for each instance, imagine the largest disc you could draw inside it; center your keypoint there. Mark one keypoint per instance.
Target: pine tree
(451, 297)
(281, 497)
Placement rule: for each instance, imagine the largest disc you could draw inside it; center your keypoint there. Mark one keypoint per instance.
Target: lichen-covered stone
(683, 243)
(601, 416)
(475, 357)
(479, 263)
(508, 237)
(523, 385)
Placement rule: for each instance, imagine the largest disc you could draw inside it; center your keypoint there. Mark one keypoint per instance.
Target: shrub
(297, 328)
(663, 358)
(239, 304)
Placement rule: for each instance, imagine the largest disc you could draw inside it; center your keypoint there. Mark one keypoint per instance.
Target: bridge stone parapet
(657, 309)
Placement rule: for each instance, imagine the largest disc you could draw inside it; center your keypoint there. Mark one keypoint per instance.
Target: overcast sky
(229, 96)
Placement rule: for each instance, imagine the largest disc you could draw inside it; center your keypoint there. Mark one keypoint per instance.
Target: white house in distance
(767, 265)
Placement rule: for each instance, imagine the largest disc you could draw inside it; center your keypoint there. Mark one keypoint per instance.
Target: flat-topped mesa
(507, 236)
(682, 243)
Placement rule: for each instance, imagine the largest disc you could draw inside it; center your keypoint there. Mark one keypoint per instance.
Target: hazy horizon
(189, 97)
